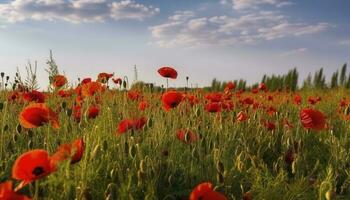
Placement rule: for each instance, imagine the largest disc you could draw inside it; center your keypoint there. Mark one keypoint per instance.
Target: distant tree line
(289, 81)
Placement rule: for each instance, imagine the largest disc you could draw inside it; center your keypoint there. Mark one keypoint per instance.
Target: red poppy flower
(59, 81)
(242, 116)
(125, 125)
(297, 99)
(34, 96)
(270, 126)
(117, 81)
(73, 151)
(168, 72)
(128, 124)
(93, 111)
(344, 102)
(214, 97)
(248, 101)
(77, 113)
(204, 191)
(262, 87)
(134, 95)
(318, 99)
(213, 107)
(227, 105)
(63, 93)
(7, 193)
(104, 77)
(312, 119)
(192, 99)
(271, 111)
(30, 166)
(86, 80)
(13, 96)
(143, 105)
(187, 136)
(91, 88)
(230, 85)
(255, 90)
(171, 99)
(311, 100)
(36, 115)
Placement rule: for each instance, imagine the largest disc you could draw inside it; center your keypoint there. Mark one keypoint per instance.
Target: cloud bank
(187, 30)
(75, 11)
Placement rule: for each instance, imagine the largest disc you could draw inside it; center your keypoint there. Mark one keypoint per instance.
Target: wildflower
(36, 115)
(168, 72)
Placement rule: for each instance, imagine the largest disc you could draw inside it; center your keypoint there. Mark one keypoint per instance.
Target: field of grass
(269, 155)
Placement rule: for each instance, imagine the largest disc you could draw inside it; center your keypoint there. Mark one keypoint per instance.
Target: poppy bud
(2, 74)
(7, 78)
(124, 84)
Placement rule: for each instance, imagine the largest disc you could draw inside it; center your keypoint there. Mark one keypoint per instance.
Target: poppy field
(103, 140)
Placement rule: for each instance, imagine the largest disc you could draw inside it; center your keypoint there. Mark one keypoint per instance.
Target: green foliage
(52, 69)
(334, 80)
(342, 77)
(286, 81)
(31, 81)
(319, 80)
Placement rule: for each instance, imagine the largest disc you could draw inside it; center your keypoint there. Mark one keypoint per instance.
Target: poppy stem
(167, 83)
(36, 192)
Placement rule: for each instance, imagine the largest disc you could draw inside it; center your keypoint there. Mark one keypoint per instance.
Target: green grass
(235, 157)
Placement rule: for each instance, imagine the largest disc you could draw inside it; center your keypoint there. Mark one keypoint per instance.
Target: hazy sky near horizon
(202, 39)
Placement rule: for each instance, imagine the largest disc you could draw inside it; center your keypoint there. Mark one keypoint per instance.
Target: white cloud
(253, 4)
(225, 30)
(74, 11)
(298, 51)
(130, 10)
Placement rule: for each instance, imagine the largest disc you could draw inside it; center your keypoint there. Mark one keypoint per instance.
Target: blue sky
(202, 39)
